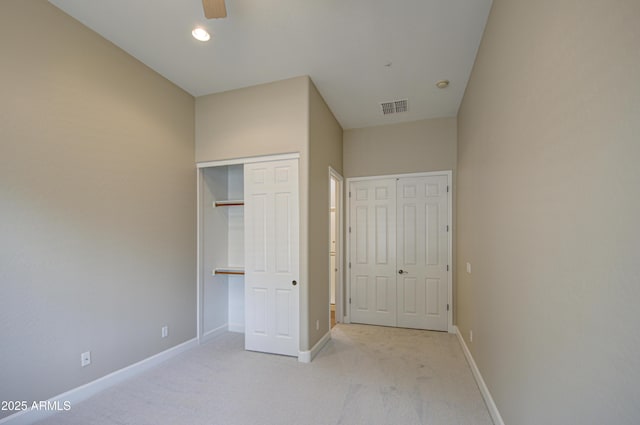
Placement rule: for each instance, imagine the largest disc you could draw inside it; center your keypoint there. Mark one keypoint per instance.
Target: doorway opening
(336, 307)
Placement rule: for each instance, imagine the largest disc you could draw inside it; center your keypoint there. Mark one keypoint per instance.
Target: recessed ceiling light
(442, 84)
(201, 34)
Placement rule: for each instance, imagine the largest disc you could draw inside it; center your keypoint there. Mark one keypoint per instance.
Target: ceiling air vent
(394, 107)
(401, 105)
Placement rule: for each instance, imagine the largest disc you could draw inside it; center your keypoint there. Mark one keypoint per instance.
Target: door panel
(361, 298)
(373, 233)
(382, 235)
(410, 295)
(272, 251)
(283, 306)
(433, 239)
(433, 296)
(408, 236)
(423, 247)
(259, 308)
(283, 232)
(258, 214)
(361, 235)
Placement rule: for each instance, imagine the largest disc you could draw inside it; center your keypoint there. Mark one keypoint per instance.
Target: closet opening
(248, 252)
(221, 245)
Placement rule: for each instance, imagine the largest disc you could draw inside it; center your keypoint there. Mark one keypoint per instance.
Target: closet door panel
(283, 232)
(271, 252)
(258, 216)
(259, 308)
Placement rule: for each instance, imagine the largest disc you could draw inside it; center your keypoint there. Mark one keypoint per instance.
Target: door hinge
(447, 307)
(447, 267)
(447, 227)
(349, 264)
(349, 229)
(349, 300)
(447, 188)
(349, 194)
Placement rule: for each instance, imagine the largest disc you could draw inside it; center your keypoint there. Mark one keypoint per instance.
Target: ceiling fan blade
(214, 9)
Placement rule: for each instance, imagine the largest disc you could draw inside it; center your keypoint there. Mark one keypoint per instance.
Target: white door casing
(420, 247)
(372, 212)
(337, 269)
(272, 257)
(423, 248)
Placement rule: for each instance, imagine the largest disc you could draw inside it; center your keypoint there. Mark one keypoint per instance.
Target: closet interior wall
(222, 247)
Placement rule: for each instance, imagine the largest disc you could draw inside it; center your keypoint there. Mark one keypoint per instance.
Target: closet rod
(229, 271)
(235, 203)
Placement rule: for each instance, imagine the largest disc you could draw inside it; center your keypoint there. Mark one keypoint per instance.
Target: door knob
(294, 283)
(402, 272)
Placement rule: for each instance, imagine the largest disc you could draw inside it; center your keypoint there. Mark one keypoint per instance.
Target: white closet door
(271, 257)
(423, 249)
(373, 252)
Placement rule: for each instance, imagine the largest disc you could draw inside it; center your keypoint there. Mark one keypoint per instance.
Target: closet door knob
(402, 271)
(294, 283)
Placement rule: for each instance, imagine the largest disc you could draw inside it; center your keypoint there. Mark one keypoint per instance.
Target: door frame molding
(340, 313)
(449, 174)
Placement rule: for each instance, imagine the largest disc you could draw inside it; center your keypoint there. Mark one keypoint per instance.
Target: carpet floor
(364, 375)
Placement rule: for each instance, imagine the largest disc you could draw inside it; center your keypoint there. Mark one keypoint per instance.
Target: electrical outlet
(165, 331)
(469, 268)
(317, 325)
(85, 359)
(470, 336)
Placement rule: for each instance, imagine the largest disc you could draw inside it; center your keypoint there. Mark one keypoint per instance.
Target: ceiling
(359, 53)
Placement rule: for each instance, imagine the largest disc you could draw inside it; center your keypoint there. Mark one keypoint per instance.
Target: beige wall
(97, 205)
(413, 147)
(548, 207)
(260, 120)
(325, 150)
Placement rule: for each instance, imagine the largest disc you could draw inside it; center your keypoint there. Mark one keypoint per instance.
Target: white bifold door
(271, 257)
(399, 252)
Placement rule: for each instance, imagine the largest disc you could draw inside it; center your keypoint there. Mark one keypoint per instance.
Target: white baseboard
(307, 356)
(83, 392)
(209, 335)
(486, 395)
